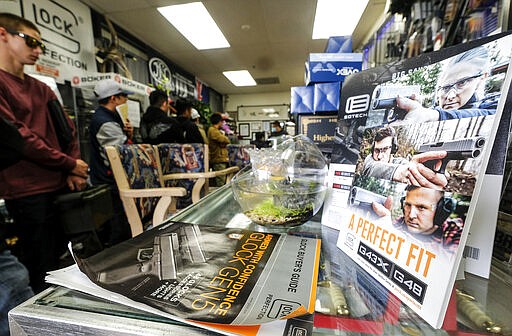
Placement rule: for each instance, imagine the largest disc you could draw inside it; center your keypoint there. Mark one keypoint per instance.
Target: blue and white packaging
(339, 44)
(327, 97)
(322, 67)
(302, 99)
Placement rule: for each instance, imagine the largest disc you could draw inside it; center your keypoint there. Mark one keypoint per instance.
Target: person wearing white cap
(195, 118)
(107, 128)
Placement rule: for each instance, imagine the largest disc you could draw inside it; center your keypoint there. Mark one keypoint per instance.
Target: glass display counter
(371, 309)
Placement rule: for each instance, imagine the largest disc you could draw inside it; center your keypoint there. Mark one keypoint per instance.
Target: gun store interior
(167, 166)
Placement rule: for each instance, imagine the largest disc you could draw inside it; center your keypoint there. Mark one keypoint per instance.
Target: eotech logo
(59, 23)
(357, 104)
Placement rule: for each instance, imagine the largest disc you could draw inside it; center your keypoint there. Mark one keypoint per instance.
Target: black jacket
(11, 144)
(157, 127)
(187, 131)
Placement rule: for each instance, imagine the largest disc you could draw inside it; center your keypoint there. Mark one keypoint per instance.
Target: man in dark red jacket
(48, 167)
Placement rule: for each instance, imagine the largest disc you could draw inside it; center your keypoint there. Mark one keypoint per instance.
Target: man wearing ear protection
(426, 215)
(383, 165)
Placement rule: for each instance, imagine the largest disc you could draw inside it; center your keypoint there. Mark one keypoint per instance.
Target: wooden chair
(141, 188)
(186, 165)
(239, 156)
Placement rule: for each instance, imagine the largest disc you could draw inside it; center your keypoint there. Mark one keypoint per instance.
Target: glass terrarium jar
(283, 187)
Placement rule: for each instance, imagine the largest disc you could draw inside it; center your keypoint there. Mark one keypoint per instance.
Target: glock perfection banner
(211, 274)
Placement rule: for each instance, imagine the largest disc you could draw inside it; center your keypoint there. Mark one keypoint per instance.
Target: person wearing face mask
(47, 167)
(459, 92)
(105, 129)
(277, 130)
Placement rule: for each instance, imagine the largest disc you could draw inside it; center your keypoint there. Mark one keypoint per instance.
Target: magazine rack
(58, 309)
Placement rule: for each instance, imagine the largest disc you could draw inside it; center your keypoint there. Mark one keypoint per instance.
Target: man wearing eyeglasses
(30, 186)
(382, 164)
(459, 92)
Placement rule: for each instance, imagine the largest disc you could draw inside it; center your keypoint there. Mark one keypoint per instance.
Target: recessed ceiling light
(337, 17)
(194, 22)
(240, 78)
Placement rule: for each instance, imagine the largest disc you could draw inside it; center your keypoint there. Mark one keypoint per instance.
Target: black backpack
(11, 144)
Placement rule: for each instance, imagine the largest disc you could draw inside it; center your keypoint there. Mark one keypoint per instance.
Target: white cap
(194, 114)
(109, 87)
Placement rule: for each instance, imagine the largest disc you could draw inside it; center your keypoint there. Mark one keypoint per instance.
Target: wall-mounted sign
(176, 83)
(263, 112)
(66, 29)
(91, 79)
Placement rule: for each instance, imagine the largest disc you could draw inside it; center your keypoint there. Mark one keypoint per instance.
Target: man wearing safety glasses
(49, 166)
(381, 162)
(459, 92)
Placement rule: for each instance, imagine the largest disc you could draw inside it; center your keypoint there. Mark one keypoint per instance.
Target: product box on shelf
(302, 99)
(327, 97)
(331, 67)
(339, 44)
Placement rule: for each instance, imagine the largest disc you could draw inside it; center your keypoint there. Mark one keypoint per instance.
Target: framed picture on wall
(256, 127)
(244, 129)
(263, 112)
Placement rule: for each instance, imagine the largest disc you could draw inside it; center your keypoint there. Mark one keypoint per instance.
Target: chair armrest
(187, 176)
(227, 171)
(204, 175)
(153, 192)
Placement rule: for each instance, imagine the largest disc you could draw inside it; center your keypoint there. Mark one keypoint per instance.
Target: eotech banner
(66, 29)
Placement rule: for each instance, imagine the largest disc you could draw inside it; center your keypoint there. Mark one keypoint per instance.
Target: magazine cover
(373, 94)
(430, 124)
(211, 274)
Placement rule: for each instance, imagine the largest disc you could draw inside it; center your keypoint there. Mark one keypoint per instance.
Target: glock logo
(59, 23)
(357, 104)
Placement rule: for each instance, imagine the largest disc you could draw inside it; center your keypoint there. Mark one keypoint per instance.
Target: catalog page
(211, 274)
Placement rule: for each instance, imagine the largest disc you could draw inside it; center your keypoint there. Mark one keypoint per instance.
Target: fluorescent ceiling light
(269, 110)
(240, 78)
(337, 17)
(194, 22)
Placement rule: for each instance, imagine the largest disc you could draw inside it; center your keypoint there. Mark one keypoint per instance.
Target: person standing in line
(156, 124)
(107, 129)
(277, 130)
(48, 167)
(218, 143)
(195, 118)
(186, 130)
(14, 280)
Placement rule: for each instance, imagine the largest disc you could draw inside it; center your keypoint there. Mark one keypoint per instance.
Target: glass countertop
(371, 308)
